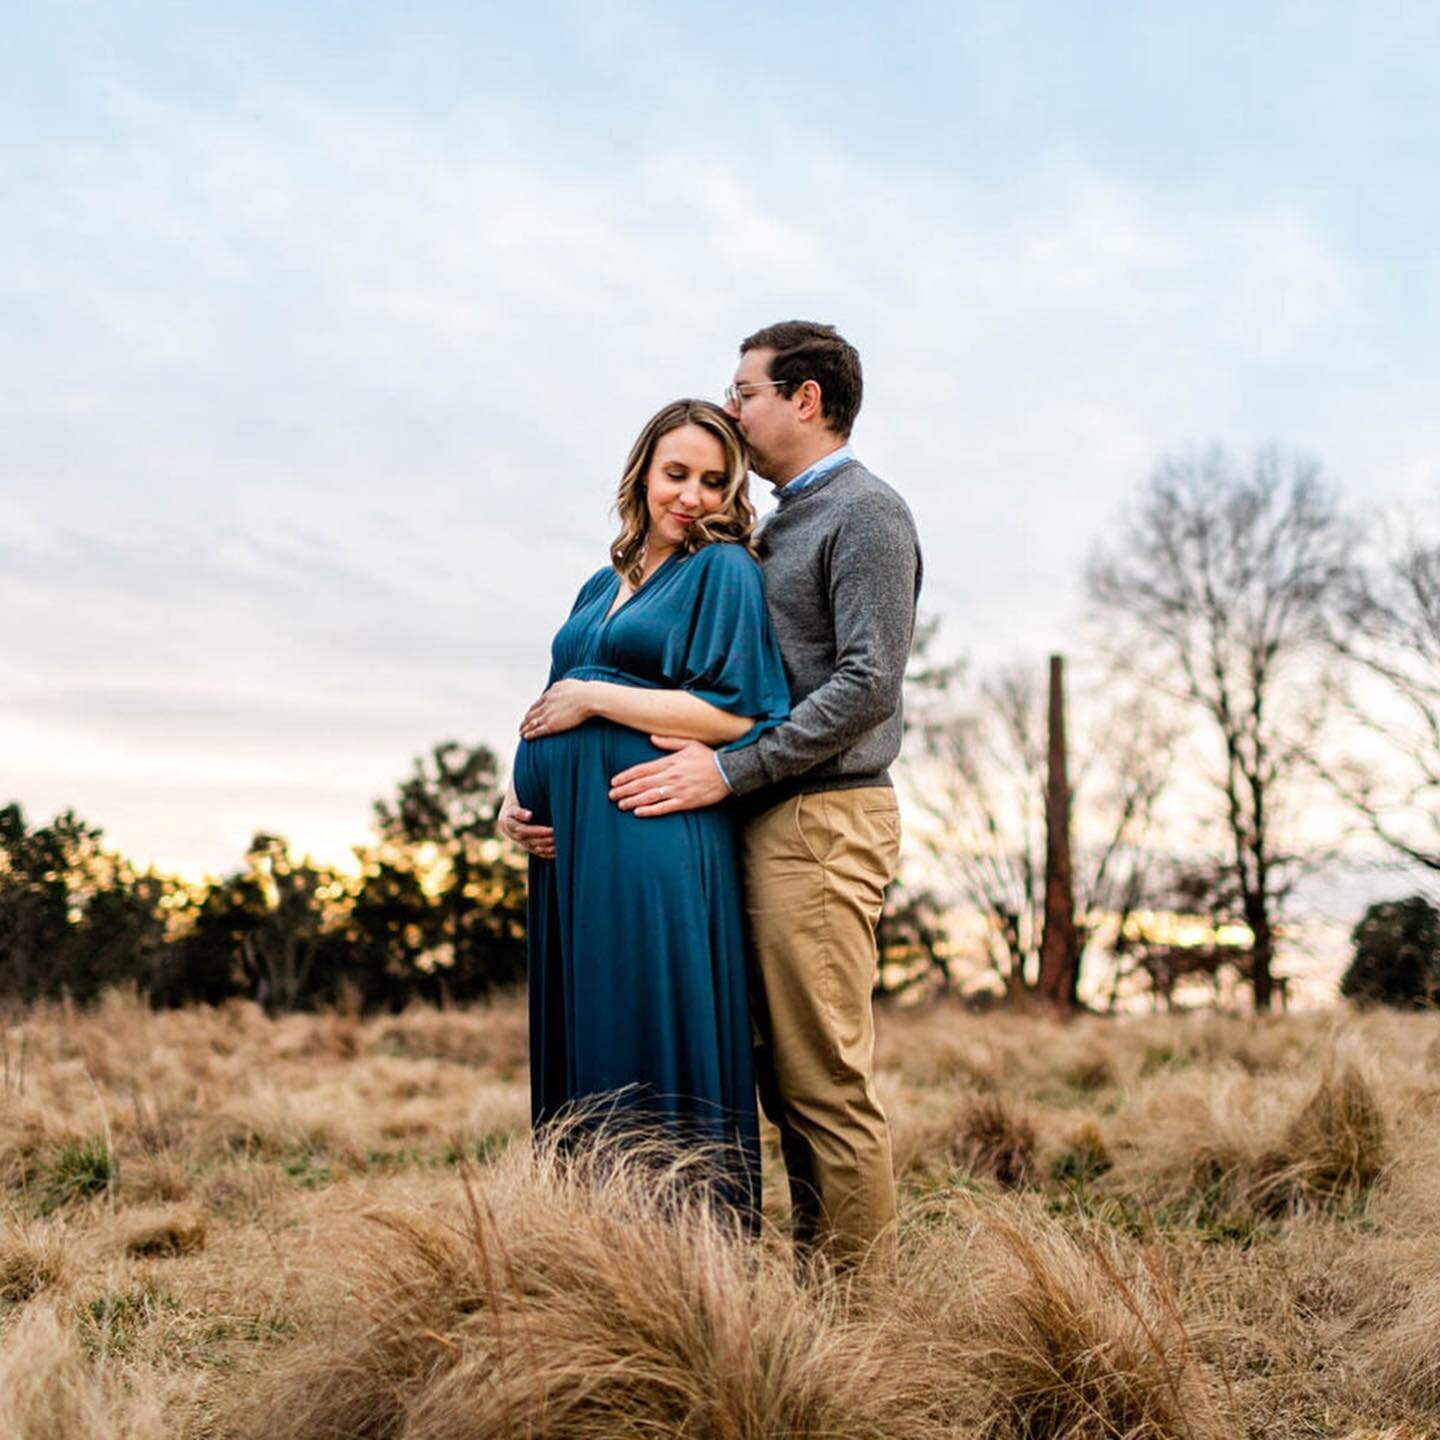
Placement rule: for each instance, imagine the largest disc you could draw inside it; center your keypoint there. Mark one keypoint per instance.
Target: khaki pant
(816, 867)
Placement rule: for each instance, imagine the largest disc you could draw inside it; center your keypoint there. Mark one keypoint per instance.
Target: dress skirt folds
(636, 944)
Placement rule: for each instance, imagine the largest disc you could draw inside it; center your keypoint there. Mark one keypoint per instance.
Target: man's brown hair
(805, 350)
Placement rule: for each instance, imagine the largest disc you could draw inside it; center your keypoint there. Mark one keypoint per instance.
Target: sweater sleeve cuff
(743, 770)
(723, 776)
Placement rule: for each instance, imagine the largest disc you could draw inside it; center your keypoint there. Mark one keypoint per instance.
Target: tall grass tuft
(1258, 1148)
(1402, 1358)
(178, 1230)
(1337, 1144)
(595, 1296)
(1034, 1333)
(29, 1263)
(48, 1391)
(995, 1139)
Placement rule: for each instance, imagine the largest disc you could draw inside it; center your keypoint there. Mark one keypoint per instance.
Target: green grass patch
(82, 1168)
(222, 1342)
(308, 1170)
(1207, 1215)
(411, 1157)
(482, 1152)
(1163, 1057)
(1120, 1213)
(927, 1201)
(111, 1323)
(1083, 1161)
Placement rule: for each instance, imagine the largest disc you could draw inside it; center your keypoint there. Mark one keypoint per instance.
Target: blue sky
(324, 328)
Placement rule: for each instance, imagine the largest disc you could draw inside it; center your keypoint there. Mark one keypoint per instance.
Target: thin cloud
(319, 403)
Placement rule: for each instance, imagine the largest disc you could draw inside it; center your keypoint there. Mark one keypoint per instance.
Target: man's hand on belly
(686, 779)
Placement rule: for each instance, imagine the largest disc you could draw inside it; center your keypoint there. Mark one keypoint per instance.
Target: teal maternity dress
(636, 946)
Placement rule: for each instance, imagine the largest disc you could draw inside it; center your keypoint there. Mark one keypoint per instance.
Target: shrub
(1397, 955)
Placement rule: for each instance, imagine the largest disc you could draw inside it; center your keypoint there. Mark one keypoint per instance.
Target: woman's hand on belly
(566, 704)
(514, 823)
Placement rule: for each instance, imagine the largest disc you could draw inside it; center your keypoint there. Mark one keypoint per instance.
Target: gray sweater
(841, 561)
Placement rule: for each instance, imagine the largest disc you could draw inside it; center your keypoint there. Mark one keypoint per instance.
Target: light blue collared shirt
(822, 467)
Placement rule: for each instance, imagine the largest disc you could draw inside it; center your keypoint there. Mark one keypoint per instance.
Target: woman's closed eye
(709, 480)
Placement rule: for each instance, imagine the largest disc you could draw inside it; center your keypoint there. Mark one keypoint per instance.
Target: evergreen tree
(1397, 955)
(443, 821)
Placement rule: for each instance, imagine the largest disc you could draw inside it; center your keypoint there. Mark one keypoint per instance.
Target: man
(842, 572)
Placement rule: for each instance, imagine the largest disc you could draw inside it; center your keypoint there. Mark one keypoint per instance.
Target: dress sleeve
(732, 659)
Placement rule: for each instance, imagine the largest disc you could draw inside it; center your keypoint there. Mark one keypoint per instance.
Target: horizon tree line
(436, 912)
(1239, 620)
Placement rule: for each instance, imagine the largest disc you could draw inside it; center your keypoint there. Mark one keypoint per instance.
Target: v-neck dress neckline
(613, 609)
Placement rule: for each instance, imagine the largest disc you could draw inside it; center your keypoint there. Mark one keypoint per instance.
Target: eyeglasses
(734, 394)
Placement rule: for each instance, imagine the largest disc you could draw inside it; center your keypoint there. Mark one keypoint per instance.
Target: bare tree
(1059, 980)
(1221, 590)
(1390, 631)
(982, 787)
(1123, 781)
(980, 773)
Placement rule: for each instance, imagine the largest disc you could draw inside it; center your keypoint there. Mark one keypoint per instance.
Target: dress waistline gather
(610, 673)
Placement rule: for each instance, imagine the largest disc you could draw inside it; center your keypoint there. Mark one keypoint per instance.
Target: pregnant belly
(530, 774)
(584, 759)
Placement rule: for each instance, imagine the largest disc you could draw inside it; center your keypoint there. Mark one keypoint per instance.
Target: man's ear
(810, 407)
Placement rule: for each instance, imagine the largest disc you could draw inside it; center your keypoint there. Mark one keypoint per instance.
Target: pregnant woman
(637, 962)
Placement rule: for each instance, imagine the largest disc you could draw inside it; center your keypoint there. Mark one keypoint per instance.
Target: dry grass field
(214, 1224)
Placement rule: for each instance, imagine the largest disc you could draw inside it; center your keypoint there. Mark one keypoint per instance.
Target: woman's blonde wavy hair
(734, 521)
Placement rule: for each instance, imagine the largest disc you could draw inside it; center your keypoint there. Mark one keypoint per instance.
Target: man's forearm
(826, 722)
